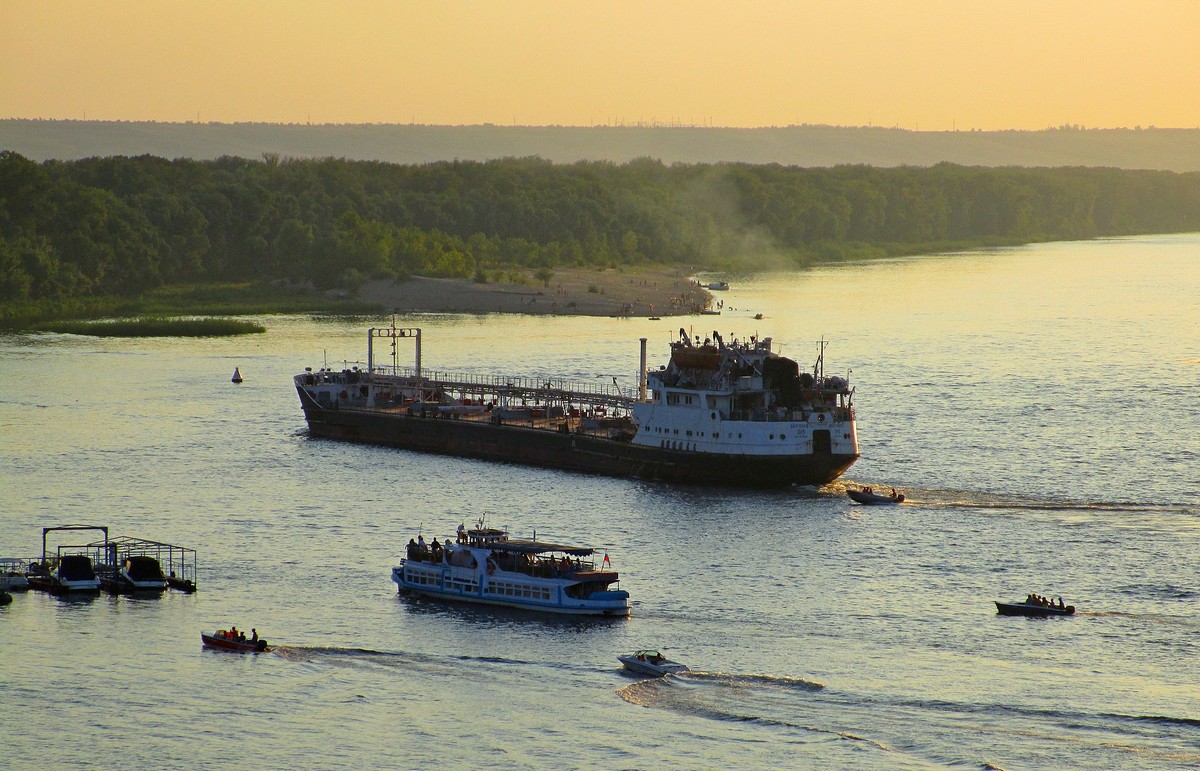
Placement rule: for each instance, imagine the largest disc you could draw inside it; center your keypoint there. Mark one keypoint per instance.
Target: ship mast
(392, 333)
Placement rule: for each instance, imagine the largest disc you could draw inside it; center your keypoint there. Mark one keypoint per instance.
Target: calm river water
(1040, 406)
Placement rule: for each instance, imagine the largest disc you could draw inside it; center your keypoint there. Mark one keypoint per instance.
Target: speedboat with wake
(868, 497)
(232, 640)
(651, 662)
(1035, 606)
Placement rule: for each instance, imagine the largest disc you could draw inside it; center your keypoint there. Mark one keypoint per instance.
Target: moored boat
(485, 566)
(75, 573)
(651, 662)
(868, 497)
(14, 574)
(719, 412)
(141, 573)
(230, 640)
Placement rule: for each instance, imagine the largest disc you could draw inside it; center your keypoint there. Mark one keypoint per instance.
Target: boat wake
(938, 731)
(968, 499)
(756, 699)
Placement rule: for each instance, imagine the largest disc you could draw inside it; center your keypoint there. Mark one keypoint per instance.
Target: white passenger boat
(486, 566)
(651, 662)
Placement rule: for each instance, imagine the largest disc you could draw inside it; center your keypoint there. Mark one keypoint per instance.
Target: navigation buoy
(237, 375)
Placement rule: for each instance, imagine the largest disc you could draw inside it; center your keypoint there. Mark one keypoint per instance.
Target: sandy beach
(647, 291)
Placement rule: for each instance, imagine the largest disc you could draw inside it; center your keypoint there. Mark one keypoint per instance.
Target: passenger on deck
(462, 533)
(413, 553)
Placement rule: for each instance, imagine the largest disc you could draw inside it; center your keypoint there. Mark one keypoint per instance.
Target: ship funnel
(642, 374)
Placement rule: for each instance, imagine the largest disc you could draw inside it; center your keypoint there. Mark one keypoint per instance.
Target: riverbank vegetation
(156, 327)
(123, 236)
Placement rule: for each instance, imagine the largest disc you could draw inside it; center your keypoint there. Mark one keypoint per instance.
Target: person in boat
(253, 635)
(895, 494)
(233, 633)
(412, 549)
(462, 533)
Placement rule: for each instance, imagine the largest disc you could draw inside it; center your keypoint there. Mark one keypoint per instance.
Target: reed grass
(156, 327)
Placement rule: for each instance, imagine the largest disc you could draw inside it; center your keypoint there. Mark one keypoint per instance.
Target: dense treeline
(119, 226)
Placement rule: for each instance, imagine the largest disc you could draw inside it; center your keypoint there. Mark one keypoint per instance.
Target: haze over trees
(1165, 149)
(120, 226)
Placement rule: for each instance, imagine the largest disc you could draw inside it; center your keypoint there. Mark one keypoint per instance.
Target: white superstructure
(485, 566)
(740, 398)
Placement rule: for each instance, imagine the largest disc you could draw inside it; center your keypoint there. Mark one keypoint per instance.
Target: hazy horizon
(925, 65)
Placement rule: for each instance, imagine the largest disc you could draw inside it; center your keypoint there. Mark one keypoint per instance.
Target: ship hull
(567, 450)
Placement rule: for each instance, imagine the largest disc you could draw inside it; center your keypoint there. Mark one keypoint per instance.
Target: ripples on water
(1038, 407)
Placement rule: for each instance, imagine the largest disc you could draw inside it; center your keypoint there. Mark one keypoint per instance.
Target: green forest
(120, 227)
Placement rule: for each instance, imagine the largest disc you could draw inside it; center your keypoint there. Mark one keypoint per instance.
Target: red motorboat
(228, 641)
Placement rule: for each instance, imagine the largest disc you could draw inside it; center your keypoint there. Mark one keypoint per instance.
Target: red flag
(607, 561)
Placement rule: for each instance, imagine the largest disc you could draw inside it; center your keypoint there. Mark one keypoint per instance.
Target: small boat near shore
(1035, 607)
(485, 566)
(227, 640)
(651, 662)
(868, 497)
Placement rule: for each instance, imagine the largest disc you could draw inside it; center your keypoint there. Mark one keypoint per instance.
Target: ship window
(739, 434)
(772, 436)
(716, 435)
(782, 437)
(676, 431)
(689, 433)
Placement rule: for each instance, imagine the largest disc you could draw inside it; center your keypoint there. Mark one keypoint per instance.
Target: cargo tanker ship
(719, 412)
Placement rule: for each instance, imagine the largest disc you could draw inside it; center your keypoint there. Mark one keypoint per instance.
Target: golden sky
(916, 64)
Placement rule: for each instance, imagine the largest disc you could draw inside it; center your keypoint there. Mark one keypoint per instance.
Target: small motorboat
(228, 640)
(1035, 607)
(141, 573)
(75, 573)
(651, 662)
(868, 497)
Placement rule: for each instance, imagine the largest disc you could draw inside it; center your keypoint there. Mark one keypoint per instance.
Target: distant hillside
(808, 146)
